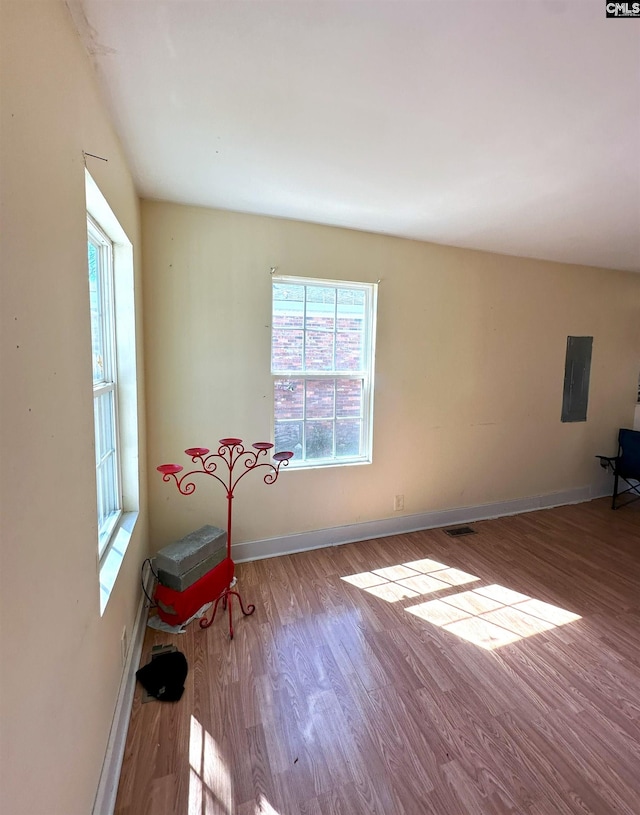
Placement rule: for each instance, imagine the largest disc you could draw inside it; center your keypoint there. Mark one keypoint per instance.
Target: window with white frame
(113, 330)
(322, 361)
(105, 388)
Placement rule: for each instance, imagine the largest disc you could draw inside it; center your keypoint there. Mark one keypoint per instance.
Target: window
(113, 332)
(322, 355)
(105, 389)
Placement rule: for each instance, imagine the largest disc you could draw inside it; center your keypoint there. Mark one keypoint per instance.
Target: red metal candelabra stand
(229, 453)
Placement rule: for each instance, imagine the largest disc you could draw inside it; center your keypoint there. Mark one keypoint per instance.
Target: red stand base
(176, 607)
(226, 596)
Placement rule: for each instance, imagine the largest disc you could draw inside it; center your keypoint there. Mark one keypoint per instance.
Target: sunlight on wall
(489, 616)
(210, 788)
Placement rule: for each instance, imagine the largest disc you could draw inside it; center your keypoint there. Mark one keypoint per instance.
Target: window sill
(321, 465)
(110, 565)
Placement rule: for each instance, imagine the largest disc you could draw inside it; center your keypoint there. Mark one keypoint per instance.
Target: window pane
(289, 398)
(349, 353)
(286, 352)
(108, 421)
(320, 398)
(319, 439)
(320, 294)
(320, 308)
(348, 438)
(288, 436)
(108, 502)
(97, 425)
(288, 291)
(110, 483)
(319, 351)
(97, 329)
(108, 498)
(348, 397)
(104, 417)
(288, 306)
(351, 306)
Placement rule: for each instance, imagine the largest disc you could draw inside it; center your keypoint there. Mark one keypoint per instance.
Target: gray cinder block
(181, 557)
(183, 581)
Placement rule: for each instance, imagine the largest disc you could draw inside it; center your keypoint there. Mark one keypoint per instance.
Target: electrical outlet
(398, 503)
(123, 645)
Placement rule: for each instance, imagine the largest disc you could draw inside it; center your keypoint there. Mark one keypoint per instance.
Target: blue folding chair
(625, 466)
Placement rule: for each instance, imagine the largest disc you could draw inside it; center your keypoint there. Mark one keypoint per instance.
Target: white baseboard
(316, 539)
(105, 801)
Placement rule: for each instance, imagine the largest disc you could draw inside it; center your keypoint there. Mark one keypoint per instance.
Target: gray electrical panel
(575, 395)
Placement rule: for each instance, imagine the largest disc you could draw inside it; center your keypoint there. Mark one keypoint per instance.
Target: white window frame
(366, 373)
(108, 565)
(109, 489)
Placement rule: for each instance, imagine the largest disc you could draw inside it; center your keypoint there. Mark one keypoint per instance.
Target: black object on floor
(163, 677)
(455, 531)
(156, 650)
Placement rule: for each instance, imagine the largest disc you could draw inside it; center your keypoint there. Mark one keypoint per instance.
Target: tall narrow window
(105, 389)
(322, 360)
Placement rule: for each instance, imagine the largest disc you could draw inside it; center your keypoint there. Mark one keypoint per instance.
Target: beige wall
(469, 373)
(61, 662)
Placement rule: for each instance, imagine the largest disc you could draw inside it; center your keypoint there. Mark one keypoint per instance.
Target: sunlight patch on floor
(263, 807)
(210, 788)
(488, 616)
(407, 580)
(492, 616)
(391, 592)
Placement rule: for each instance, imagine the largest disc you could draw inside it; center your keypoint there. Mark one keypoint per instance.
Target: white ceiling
(509, 126)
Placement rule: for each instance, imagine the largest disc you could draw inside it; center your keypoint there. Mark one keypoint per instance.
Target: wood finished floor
(335, 700)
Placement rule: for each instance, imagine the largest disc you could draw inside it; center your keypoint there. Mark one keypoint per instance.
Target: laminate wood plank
(467, 740)
(426, 646)
(261, 773)
(387, 733)
(550, 808)
(519, 777)
(370, 777)
(307, 767)
(611, 741)
(469, 794)
(310, 807)
(564, 767)
(337, 698)
(345, 637)
(271, 717)
(141, 750)
(536, 676)
(599, 777)
(161, 796)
